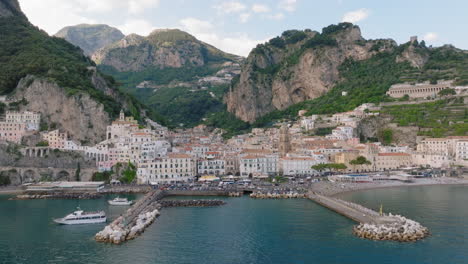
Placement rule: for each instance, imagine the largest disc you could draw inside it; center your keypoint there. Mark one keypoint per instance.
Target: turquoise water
(242, 231)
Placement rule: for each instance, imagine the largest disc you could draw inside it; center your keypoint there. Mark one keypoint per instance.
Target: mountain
(309, 70)
(90, 38)
(51, 76)
(163, 48)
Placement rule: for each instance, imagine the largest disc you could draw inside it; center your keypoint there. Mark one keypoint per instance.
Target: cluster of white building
(163, 156)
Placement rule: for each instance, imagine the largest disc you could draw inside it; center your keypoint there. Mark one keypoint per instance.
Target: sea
(243, 231)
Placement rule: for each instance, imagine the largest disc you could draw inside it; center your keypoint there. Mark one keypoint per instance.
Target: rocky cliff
(161, 49)
(57, 80)
(90, 38)
(298, 66)
(9, 8)
(79, 115)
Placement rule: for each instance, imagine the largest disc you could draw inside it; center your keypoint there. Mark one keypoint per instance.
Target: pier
(373, 225)
(144, 212)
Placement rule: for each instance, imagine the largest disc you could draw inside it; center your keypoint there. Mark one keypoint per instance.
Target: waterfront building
(264, 165)
(211, 167)
(298, 166)
(392, 161)
(173, 168)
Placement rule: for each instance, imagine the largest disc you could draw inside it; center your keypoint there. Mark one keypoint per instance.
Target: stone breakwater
(58, 196)
(401, 230)
(191, 203)
(118, 233)
(372, 225)
(269, 195)
(134, 221)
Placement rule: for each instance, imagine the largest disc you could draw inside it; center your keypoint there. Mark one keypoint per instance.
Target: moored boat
(120, 201)
(79, 217)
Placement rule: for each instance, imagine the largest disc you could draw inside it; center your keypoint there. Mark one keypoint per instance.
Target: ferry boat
(120, 201)
(81, 217)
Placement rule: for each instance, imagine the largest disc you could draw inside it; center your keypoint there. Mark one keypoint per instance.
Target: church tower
(122, 115)
(284, 143)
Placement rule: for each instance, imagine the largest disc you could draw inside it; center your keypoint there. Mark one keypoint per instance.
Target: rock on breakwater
(268, 195)
(117, 232)
(191, 203)
(134, 221)
(400, 229)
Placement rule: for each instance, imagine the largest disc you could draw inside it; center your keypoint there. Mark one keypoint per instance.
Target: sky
(237, 26)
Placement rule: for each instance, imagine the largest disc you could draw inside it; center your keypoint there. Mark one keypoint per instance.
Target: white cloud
(431, 36)
(244, 17)
(240, 44)
(52, 15)
(288, 5)
(356, 15)
(259, 8)
(229, 7)
(138, 26)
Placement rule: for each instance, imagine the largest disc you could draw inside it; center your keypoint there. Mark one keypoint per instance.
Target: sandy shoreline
(338, 188)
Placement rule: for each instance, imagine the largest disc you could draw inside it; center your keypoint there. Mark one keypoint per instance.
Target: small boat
(120, 201)
(81, 217)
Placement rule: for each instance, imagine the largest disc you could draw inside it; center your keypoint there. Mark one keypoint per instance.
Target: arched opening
(63, 175)
(29, 176)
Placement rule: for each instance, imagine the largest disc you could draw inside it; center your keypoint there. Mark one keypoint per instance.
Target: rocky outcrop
(80, 115)
(417, 57)
(401, 230)
(161, 49)
(117, 233)
(90, 38)
(9, 8)
(277, 77)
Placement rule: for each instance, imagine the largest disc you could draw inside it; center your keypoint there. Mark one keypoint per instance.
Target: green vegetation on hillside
(365, 82)
(157, 76)
(26, 50)
(448, 117)
(229, 122)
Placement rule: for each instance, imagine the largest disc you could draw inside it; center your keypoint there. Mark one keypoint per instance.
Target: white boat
(81, 217)
(120, 201)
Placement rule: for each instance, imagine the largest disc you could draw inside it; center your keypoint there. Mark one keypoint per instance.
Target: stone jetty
(401, 230)
(372, 225)
(60, 195)
(270, 195)
(191, 203)
(134, 221)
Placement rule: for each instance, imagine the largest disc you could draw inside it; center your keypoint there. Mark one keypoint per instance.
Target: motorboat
(120, 201)
(79, 217)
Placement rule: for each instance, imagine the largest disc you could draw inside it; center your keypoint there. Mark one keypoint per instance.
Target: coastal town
(287, 149)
